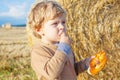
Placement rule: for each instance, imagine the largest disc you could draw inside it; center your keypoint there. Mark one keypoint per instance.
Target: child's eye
(55, 23)
(63, 22)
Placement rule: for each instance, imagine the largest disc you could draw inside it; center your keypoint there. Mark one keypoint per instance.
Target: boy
(51, 57)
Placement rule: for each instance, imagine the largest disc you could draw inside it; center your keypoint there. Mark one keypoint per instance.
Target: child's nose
(61, 27)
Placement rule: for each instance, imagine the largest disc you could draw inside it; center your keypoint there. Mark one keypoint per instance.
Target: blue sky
(14, 11)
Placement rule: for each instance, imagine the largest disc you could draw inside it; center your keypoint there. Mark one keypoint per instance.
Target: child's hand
(64, 38)
(64, 44)
(87, 61)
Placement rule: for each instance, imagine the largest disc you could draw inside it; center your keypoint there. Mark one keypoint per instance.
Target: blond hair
(41, 12)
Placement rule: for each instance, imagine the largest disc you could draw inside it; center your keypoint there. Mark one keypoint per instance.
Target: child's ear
(39, 31)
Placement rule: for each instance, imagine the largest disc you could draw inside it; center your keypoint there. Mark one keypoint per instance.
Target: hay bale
(94, 25)
(7, 26)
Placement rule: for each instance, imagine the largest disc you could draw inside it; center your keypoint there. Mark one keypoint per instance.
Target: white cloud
(15, 11)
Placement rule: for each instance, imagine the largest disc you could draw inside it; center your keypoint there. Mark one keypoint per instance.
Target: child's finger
(92, 57)
(63, 34)
(60, 32)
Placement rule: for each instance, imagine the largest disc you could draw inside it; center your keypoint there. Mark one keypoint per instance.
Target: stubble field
(15, 55)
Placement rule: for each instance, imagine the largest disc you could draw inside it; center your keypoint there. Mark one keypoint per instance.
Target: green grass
(17, 68)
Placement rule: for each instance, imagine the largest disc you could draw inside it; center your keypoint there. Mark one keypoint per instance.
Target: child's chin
(58, 39)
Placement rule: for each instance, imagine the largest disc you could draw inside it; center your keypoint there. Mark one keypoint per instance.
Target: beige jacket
(52, 64)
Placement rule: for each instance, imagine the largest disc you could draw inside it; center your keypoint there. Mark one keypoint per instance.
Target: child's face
(53, 29)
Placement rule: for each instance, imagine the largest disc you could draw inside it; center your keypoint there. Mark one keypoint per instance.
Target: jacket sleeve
(48, 66)
(80, 66)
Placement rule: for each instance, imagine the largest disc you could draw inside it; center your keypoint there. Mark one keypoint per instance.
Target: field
(93, 25)
(15, 55)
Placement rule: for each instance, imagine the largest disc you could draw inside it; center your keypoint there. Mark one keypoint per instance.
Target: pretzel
(97, 63)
